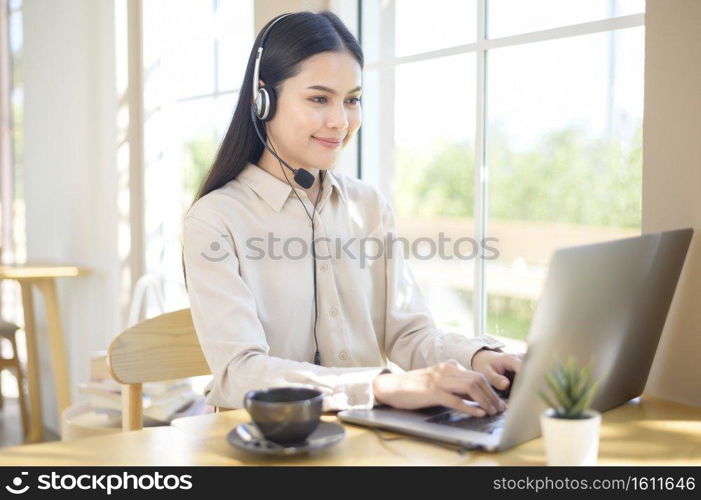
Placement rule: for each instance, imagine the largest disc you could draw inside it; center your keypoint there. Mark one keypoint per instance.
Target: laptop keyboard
(487, 424)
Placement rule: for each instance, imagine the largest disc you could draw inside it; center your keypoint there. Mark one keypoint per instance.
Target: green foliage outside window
(565, 178)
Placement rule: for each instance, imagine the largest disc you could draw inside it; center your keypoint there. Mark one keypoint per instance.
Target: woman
(269, 313)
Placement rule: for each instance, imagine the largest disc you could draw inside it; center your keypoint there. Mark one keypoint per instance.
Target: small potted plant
(570, 427)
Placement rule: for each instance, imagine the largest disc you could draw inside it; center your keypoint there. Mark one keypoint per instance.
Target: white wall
(672, 181)
(69, 178)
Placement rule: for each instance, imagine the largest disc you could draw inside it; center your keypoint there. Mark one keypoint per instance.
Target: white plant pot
(571, 441)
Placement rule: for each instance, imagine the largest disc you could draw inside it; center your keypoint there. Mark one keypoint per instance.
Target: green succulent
(571, 388)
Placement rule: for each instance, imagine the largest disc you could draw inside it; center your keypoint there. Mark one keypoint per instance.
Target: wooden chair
(155, 350)
(8, 331)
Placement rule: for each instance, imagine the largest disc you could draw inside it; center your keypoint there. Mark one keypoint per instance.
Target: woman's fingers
(491, 396)
(476, 388)
(496, 379)
(511, 363)
(498, 366)
(457, 403)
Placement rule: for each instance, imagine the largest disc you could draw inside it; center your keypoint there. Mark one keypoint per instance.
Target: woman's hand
(493, 365)
(446, 384)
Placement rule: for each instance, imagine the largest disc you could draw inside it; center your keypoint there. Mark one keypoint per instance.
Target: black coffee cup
(285, 415)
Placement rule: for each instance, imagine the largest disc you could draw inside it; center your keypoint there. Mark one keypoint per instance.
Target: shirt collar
(275, 191)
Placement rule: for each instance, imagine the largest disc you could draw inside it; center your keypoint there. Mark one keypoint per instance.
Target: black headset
(264, 98)
(263, 109)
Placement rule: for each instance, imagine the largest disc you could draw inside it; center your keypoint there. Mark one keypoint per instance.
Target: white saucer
(247, 437)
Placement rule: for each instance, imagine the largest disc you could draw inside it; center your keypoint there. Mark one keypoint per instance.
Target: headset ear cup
(259, 105)
(270, 103)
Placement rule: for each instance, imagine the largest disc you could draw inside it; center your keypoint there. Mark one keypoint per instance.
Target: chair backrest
(155, 350)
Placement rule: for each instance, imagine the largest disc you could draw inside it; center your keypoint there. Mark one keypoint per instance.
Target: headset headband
(256, 70)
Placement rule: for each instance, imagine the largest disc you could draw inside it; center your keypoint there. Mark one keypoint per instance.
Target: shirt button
(333, 311)
(324, 267)
(343, 355)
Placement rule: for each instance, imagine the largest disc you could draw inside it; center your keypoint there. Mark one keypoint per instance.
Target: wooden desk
(649, 431)
(43, 276)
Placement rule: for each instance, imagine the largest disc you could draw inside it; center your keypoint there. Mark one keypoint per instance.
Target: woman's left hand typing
(494, 365)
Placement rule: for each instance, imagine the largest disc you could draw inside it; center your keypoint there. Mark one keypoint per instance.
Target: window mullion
(480, 185)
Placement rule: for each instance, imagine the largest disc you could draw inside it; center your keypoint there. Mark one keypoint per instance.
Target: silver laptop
(606, 303)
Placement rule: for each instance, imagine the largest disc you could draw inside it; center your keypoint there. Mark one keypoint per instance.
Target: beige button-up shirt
(249, 270)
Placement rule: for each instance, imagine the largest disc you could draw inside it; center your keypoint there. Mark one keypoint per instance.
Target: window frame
(376, 158)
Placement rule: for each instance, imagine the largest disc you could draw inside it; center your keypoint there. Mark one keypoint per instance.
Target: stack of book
(162, 401)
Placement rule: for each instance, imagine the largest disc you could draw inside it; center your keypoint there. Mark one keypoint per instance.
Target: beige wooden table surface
(647, 431)
(43, 277)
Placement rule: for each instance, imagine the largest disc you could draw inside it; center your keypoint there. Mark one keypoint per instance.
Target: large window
(514, 120)
(194, 57)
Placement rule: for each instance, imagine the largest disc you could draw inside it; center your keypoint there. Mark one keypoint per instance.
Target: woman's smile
(329, 143)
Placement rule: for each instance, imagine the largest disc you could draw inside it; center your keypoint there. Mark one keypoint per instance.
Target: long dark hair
(292, 40)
